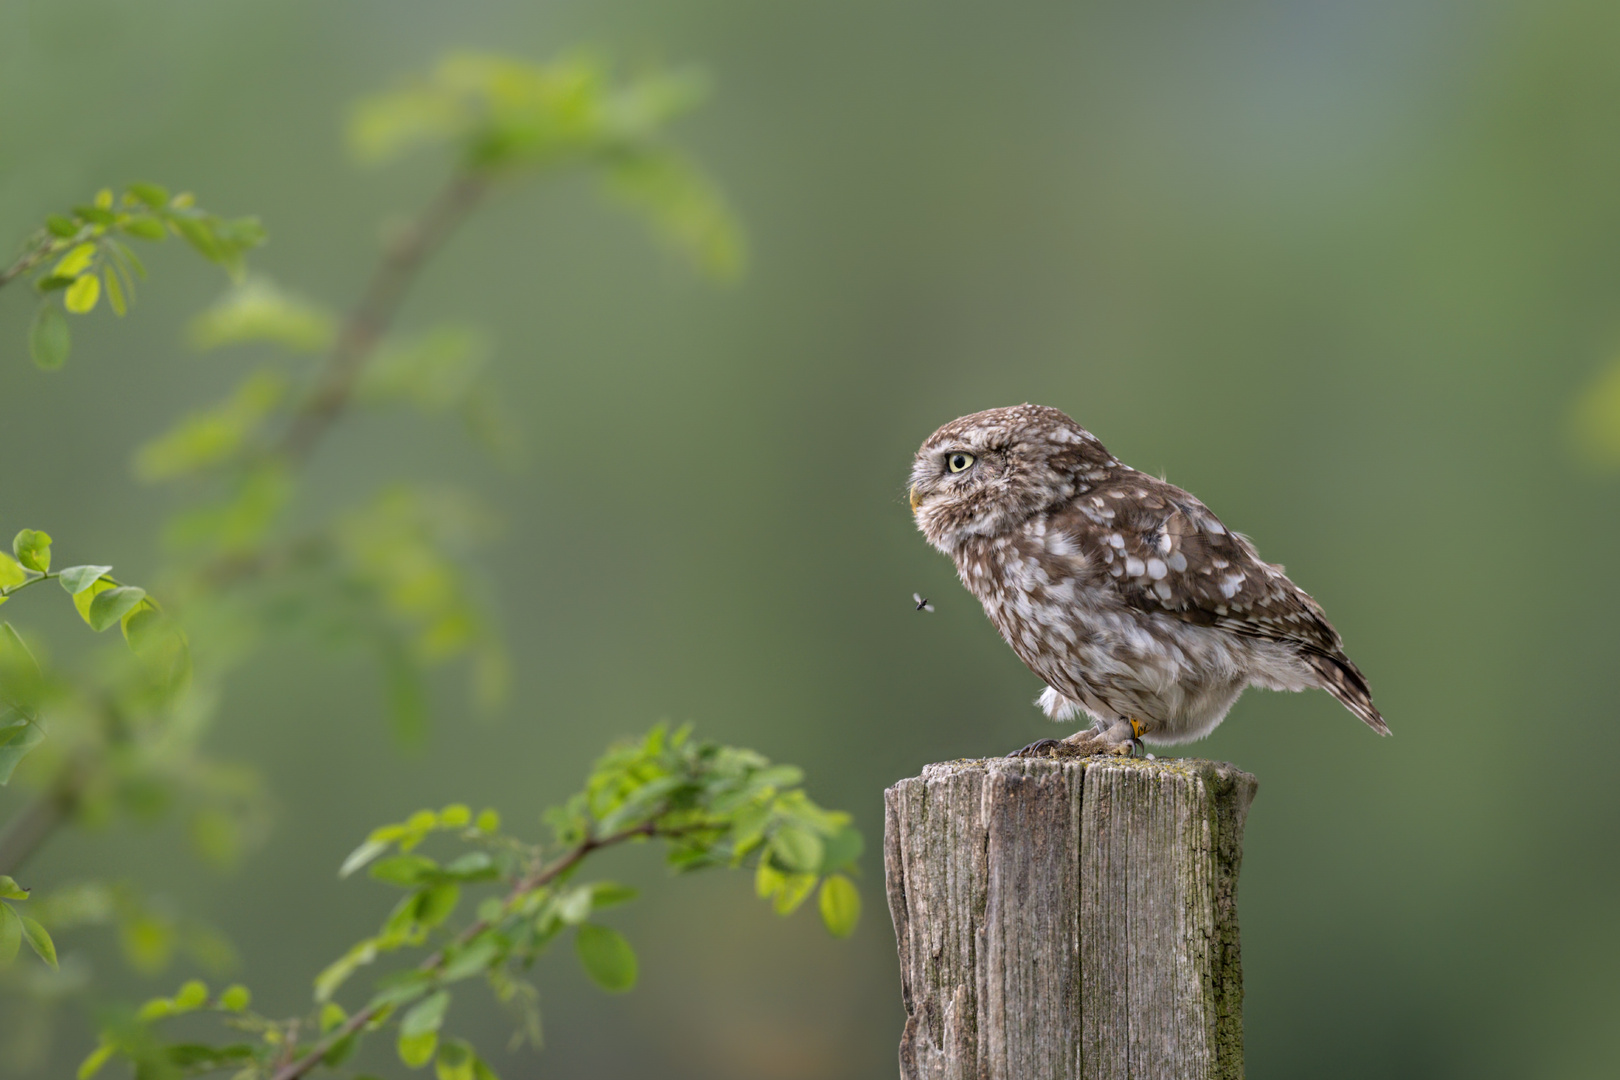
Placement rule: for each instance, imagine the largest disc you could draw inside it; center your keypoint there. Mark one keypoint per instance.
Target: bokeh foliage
(711, 806)
(122, 733)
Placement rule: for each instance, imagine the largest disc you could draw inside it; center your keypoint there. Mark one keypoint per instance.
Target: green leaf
(58, 225)
(213, 435)
(10, 890)
(113, 604)
(360, 856)
(151, 194)
(199, 235)
(435, 905)
(192, 995)
(115, 291)
(799, 849)
(258, 310)
(574, 906)
(406, 870)
(155, 1009)
(235, 998)
(455, 816)
(83, 599)
(471, 960)
(606, 956)
(81, 296)
(75, 261)
(38, 940)
(434, 372)
(33, 549)
(488, 821)
(21, 680)
(456, 1061)
(332, 1017)
(606, 894)
(795, 888)
(426, 1015)
(11, 572)
(10, 935)
(76, 579)
(473, 866)
(843, 848)
(417, 1050)
(840, 905)
(339, 970)
(16, 741)
(682, 205)
(200, 1057)
(49, 339)
(134, 260)
(398, 988)
(147, 228)
(98, 1057)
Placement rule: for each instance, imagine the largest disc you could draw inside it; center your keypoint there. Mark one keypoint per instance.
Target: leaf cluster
(503, 116)
(708, 805)
(88, 249)
(102, 601)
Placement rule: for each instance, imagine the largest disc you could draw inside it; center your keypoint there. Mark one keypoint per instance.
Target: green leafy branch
(101, 601)
(93, 258)
(710, 805)
(126, 728)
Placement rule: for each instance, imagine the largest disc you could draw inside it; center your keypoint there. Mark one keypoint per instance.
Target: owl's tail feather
(1342, 679)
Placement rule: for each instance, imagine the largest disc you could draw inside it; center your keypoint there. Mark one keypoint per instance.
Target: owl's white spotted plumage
(1123, 592)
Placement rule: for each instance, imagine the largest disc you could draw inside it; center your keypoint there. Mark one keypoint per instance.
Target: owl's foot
(1117, 740)
(1041, 748)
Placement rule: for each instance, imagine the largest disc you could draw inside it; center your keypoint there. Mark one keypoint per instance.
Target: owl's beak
(915, 498)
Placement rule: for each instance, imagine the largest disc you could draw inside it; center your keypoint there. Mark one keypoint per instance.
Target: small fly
(922, 602)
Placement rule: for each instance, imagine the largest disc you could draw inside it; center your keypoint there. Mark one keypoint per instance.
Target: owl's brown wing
(1164, 550)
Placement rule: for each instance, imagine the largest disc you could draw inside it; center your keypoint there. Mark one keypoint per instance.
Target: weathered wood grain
(1068, 919)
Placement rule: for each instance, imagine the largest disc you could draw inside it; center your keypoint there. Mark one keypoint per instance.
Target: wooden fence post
(1068, 919)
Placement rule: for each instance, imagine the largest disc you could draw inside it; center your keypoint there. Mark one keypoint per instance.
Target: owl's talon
(1039, 748)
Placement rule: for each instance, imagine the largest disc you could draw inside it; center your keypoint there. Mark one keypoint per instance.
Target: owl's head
(983, 474)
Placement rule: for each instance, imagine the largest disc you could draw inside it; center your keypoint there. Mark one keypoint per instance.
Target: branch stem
(26, 262)
(370, 319)
(36, 821)
(13, 590)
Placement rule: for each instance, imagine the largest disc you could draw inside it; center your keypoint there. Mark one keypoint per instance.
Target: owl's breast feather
(1036, 587)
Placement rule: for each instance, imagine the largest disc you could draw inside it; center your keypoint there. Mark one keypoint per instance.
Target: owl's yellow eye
(958, 461)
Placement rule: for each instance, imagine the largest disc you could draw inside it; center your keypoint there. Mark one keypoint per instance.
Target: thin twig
(26, 262)
(36, 821)
(370, 319)
(543, 876)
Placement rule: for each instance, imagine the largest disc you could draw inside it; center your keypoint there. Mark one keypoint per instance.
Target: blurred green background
(1338, 269)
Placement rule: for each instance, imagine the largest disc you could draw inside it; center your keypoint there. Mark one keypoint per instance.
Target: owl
(1133, 602)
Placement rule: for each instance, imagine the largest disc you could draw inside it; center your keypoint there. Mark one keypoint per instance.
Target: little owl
(1123, 592)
